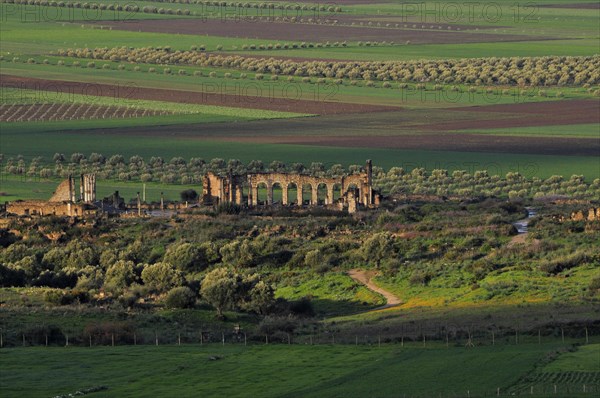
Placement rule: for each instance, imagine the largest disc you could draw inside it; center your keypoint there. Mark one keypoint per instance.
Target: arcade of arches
(349, 192)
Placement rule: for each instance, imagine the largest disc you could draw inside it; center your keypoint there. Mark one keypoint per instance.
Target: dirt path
(365, 277)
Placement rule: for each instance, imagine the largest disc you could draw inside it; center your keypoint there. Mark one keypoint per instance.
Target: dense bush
(180, 297)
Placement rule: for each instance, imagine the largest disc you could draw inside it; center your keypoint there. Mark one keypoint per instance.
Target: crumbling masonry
(353, 191)
(63, 202)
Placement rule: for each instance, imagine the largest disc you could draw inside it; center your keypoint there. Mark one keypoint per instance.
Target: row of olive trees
(521, 71)
(158, 169)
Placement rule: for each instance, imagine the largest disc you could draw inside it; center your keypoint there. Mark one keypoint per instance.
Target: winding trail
(365, 277)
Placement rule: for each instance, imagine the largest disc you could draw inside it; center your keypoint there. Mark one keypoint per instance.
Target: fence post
(156, 338)
(179, 339)
(46, 340)
(266, 339)
(201, 338)
(402, 341)
(562, 333)
(539, 336)
(112, 339)
(587, 339)
(90, 339)
(134, 339)
(498, 392)
(531, 390)
(289, 339)
(67, 342)
(223, 338)
(493, 339)
(245, 339)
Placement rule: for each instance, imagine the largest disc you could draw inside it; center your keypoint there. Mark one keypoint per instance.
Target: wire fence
(123, 333)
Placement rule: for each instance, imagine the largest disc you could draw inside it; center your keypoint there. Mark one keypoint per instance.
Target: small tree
(189, 195)
(180, 297)
(161, 277)
(220, 289)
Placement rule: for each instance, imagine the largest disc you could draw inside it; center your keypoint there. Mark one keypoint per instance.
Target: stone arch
(276, 193)
(322, 194)
(261, 193)
(336, 190)
(307, 193)
(294, 195)
(353, 187)
(244, 193)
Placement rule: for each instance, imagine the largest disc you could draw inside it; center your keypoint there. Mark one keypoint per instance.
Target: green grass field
(541, 166)
(277, 370)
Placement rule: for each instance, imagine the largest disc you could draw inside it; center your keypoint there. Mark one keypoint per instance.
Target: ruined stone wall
(43, 208)
(593, 214)
(356, 190)
(65, 191)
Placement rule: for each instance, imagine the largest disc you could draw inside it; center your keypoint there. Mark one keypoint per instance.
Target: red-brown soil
(123, 93)
(246, 29)
(524, 115)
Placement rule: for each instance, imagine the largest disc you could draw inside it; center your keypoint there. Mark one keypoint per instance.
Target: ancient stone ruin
(593, 214)
(353, 191)
(349, 193)
(63, 202)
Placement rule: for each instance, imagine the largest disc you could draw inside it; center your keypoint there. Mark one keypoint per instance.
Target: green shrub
(180, 297)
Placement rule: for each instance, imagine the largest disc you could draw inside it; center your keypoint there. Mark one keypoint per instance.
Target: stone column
(329, 198)
(314, 198)
(255, 195)
(284, 195)
(239, 194)
(269, 194)
(299, 194)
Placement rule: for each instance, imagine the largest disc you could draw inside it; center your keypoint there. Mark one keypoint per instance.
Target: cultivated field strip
(70, 111)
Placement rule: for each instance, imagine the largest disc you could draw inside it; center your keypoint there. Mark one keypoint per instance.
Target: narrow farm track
(364, 277)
